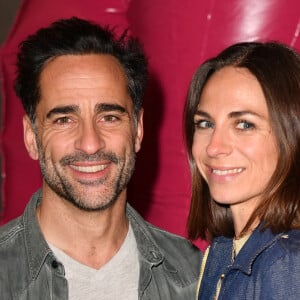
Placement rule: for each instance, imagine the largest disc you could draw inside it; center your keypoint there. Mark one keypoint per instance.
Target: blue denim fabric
(267, 267)
(169, 264)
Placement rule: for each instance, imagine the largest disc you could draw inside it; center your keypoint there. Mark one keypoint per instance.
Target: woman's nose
(219, 143)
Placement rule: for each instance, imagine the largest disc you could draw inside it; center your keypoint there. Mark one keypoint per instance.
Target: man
(81, 89)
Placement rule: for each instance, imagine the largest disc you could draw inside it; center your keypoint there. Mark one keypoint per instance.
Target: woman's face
(234, 147)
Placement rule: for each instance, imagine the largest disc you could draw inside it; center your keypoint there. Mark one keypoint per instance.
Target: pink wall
(177, 36)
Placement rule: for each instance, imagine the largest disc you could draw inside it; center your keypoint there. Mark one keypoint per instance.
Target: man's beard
(74, 191)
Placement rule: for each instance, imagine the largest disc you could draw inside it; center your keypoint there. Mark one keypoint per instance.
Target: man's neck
(92, 238)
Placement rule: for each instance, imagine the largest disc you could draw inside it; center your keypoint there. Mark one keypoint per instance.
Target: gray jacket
(169, 265)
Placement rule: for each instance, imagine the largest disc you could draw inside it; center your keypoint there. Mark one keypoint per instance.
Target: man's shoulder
(172, 246)
(12, 247)
(163, 237)
(10, 231)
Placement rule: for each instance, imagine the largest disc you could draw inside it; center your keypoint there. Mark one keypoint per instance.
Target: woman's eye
(244, 125)
(204, 124)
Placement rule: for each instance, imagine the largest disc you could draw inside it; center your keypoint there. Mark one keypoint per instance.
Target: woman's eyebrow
(202, 113)
(238, 114)
(233, 114)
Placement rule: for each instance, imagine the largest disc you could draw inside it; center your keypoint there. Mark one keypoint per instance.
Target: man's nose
(89, 139)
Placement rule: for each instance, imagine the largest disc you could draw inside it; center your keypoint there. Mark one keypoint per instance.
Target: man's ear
(30, 138)
(140, 131)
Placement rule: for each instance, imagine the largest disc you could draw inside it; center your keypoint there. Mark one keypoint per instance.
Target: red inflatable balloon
(177, 37)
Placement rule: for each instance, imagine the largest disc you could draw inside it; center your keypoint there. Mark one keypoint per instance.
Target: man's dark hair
(76, 36)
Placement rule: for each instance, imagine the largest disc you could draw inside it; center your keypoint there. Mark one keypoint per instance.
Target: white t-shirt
(117, 279)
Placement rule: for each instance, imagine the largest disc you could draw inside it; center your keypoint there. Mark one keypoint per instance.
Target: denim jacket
(169, 264)
(267, 267)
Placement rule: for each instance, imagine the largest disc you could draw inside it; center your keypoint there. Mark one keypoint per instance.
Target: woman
(242, 128)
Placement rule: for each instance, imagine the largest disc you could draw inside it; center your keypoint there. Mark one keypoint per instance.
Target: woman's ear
(30, 138)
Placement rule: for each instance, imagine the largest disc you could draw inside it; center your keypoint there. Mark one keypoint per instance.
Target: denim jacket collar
(169, 264)
(147, 246)
(257, 243)
(36, 247)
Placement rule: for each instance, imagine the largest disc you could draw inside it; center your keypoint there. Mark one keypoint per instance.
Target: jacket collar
(38, 250)
(256, 244)
(36, 247)
(145, 243)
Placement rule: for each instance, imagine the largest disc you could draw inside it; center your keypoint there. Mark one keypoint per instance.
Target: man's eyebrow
(62, 110)
(106, 107)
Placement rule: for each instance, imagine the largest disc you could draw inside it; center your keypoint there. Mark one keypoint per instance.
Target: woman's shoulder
(280, 268)
(290, 242)
(280, 252)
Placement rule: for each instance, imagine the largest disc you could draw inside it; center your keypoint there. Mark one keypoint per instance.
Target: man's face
(85, 134)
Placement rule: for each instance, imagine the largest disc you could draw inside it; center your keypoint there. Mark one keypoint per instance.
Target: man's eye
(244, 125)
(62, 120)
(109, 118)
(204, 124)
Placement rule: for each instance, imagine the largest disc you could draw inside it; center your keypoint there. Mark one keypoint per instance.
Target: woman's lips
(223, 172)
